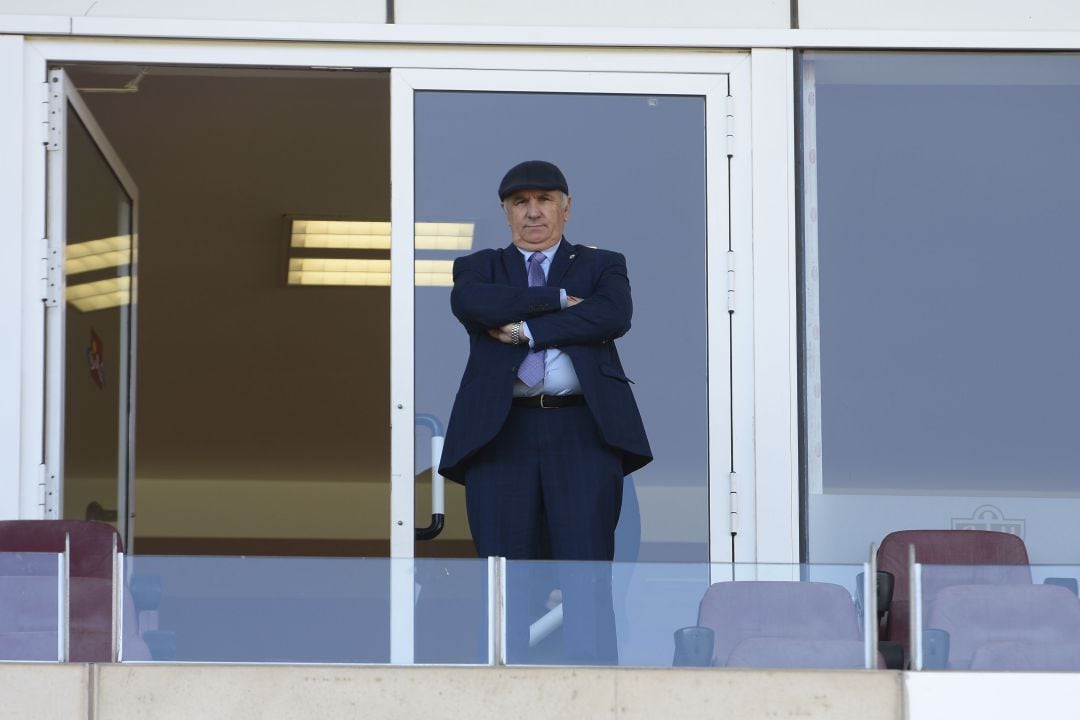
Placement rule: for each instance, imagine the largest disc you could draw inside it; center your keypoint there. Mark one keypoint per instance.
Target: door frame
(414, 64)
(62, 99)
(714, 88)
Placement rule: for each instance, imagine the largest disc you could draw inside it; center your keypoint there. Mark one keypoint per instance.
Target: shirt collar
(549, 253)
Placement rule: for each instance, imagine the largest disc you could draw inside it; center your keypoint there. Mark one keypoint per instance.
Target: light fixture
(364, 271)
(361, 249)
(97, 254)
(375, 235)
(100, 294)
(340, 234)
(338, 271)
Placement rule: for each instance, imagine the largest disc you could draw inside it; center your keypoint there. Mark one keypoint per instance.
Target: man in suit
(545, 426)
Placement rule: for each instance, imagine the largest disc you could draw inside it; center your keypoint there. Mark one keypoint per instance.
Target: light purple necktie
(531, 370)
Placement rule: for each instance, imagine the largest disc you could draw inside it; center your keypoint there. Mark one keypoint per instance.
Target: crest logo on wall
(990, 517)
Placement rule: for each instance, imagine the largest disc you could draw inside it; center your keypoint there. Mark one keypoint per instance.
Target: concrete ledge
(164, 692)
(44, 692)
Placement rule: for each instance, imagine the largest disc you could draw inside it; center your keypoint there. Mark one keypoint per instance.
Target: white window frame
(651, 67)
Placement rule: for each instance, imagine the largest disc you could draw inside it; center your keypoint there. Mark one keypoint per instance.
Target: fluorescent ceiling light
(99, 295)
(375, 235)
(363, 271)
(435, 273)
(97, 254)
(339, 271)
(444, 236)
(340, 234)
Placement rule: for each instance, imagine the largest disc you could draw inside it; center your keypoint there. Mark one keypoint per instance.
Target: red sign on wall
(95, 358)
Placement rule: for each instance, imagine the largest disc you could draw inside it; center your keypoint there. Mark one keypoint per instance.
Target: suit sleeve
(481, 304)
(603, 316)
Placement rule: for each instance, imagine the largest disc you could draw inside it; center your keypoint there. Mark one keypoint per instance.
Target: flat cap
(532, 175)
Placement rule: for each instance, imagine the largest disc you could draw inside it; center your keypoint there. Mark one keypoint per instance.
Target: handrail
(438, 482)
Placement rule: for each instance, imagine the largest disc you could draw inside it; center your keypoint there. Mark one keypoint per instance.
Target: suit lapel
(564, 257)
(514, 264)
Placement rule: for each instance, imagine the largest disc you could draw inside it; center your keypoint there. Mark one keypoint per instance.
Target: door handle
(438, 482)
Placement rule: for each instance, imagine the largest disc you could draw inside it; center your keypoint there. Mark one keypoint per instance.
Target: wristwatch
(515, 333)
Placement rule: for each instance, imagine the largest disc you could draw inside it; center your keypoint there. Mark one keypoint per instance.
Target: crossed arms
(484, 306)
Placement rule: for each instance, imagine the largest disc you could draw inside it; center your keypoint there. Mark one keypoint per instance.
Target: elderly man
(544, 426)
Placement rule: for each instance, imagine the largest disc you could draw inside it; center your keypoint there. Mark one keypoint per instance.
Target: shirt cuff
(562, 299)
(526, 333)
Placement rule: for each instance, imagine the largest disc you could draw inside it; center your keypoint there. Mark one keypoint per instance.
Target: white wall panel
(593, 13)
(11, 138)
(939, 14)
(357, 11)
(775, 386)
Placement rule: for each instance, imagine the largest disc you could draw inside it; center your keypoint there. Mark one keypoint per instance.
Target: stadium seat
(783, 625)
(980, 557)
(91, 589)
(1008, 627)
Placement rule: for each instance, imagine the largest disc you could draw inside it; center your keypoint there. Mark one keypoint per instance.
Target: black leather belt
(549, 401)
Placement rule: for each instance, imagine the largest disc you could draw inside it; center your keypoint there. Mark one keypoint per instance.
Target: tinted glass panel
(939, 252)
(635, 166)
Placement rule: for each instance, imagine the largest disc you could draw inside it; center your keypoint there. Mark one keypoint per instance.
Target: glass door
(90, 318)
(644, 160)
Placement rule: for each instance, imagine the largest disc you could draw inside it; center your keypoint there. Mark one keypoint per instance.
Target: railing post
(915, 621)
(496, 611)
(870, 609)
(65, 602)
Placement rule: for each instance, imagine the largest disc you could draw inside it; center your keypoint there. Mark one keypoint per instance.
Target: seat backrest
(1009, 627)
(782, 624)
(91, 592)
(966, 549)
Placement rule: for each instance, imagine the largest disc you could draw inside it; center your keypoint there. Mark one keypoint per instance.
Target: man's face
(537, 217)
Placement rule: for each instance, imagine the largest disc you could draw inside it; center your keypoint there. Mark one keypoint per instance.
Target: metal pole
(915, 592)
(500, 613)
(65, 655)
(114, 650)
(870, 611)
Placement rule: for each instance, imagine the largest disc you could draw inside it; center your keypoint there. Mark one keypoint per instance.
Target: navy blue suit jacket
(491, 289)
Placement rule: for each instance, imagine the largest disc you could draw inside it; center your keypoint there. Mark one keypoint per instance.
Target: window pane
(635, 166)
(939, 249)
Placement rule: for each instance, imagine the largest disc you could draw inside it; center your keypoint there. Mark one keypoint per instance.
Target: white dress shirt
(560, 377)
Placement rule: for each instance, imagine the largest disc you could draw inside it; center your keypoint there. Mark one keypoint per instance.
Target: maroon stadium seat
(1004, 556)
(91, 588)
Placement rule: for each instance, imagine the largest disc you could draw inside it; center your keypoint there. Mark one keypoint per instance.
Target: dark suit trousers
(549, 487)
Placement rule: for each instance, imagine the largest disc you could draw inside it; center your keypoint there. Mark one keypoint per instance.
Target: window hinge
(44, 110)
(731, 281)
(43, 475)
(734, 503)
(54, 139)
(730, 125)
(52, 280)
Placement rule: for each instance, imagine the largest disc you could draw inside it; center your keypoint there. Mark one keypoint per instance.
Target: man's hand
(571, 301)
(504, 334)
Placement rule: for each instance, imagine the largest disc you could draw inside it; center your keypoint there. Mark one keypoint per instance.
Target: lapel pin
(573, 256)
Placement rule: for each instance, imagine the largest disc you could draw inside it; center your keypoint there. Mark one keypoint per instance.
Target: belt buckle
(546, 407)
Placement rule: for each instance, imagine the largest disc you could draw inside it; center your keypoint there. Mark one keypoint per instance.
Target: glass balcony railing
(481, 612)
(308, 610)
(31, 607)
